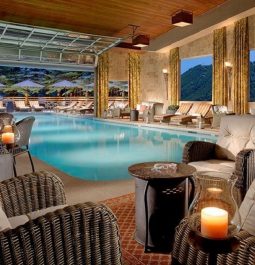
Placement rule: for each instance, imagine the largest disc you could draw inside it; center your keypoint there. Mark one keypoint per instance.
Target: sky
(186, 64)
(252, 56)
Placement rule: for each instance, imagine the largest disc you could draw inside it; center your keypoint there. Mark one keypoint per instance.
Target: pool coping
(140, 124)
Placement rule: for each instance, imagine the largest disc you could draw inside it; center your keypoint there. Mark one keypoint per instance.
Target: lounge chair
(2, 108)
(87, 108)
(79, 105)
(65, 108)
(20, 105)
(197, 111)
(34, 104)
(183, 110)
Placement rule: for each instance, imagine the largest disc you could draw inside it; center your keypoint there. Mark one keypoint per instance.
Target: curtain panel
(220, 86)
(174, 77)
(134, 70)
(241, 66)
(102, 84)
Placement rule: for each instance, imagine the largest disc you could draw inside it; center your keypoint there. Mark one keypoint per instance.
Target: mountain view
(252, 81)
(196, 83)
(13, 75)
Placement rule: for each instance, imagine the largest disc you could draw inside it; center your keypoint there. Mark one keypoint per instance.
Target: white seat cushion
(22, 219)
(225, 166)
(247, 210)
(35, 214)
(16, 221)
(4, 222)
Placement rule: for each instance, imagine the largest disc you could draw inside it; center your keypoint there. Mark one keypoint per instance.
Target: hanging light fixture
(140, 40)
(182, 18)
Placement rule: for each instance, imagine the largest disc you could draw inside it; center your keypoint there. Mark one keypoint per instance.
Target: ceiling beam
(221, 16)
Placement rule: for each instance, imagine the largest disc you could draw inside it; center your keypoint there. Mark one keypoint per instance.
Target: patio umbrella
(65, 84)
(26, 86)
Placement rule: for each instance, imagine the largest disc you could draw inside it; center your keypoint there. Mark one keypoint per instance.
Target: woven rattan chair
(234, 153)
(24, 128)
(80, 234)
(6, 116)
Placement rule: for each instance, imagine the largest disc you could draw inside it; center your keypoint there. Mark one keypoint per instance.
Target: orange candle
(7, 128)
(214, 222)
(8, 138)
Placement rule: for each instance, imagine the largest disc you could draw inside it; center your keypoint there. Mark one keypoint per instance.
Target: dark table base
(160, 205)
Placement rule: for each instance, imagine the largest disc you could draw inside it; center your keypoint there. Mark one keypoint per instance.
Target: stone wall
(153, 86)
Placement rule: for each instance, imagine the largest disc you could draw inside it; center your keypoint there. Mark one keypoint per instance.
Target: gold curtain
(102, 84)
(174, 77)
(134, 70)
(241, 66)
(220, 88)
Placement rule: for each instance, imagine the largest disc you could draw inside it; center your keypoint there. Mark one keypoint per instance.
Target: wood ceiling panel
(103, 17)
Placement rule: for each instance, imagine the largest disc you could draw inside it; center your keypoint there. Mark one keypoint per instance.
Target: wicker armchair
(235, 142)
(234, 152)
(80, 234)
(24, 127)
(185, 254)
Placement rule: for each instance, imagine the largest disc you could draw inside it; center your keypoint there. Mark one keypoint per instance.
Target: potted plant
(172, 109)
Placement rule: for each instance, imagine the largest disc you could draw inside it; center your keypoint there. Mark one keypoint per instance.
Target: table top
(161, 170)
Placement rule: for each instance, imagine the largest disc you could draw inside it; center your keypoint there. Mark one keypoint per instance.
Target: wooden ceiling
(103, 17)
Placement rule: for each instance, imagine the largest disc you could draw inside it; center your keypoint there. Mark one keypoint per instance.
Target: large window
(196, 79)
(73, 83)
(252, 75)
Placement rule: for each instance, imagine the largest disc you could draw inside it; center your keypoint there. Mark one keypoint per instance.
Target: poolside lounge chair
(86, 108)
(183, 110)
(20, 105)
(197, 111)
(77, 106)
(65, 108)
(2, 108)
(34, 104)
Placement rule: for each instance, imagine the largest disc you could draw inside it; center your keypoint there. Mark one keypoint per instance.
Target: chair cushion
(247, 210)
(4, 222)
(236, 133)
(35, 214)
(225, 166)
(16, 221)
(22, 219)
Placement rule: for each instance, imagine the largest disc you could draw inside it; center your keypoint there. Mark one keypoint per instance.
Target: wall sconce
(228, 67)
(165, 74)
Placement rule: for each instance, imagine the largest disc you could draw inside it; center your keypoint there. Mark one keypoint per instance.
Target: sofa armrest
(81, 234)
(197, 151)
(245, 169)
(184, 253)
(31, 192)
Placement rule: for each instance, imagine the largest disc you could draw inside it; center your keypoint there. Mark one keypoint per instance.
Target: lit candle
(8, 138)
(7, 128)
(214, 222)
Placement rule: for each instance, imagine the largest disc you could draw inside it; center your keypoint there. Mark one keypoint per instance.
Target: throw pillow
(247, 210)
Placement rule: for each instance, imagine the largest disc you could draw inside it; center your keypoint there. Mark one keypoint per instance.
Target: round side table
(161, 201)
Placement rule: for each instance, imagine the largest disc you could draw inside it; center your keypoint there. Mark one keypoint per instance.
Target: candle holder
(213, 215)
(9, 135)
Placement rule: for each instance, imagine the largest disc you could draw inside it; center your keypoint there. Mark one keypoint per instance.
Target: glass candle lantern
(214, 214)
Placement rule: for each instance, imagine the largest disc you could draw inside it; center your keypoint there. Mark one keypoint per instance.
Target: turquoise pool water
(97, 150)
